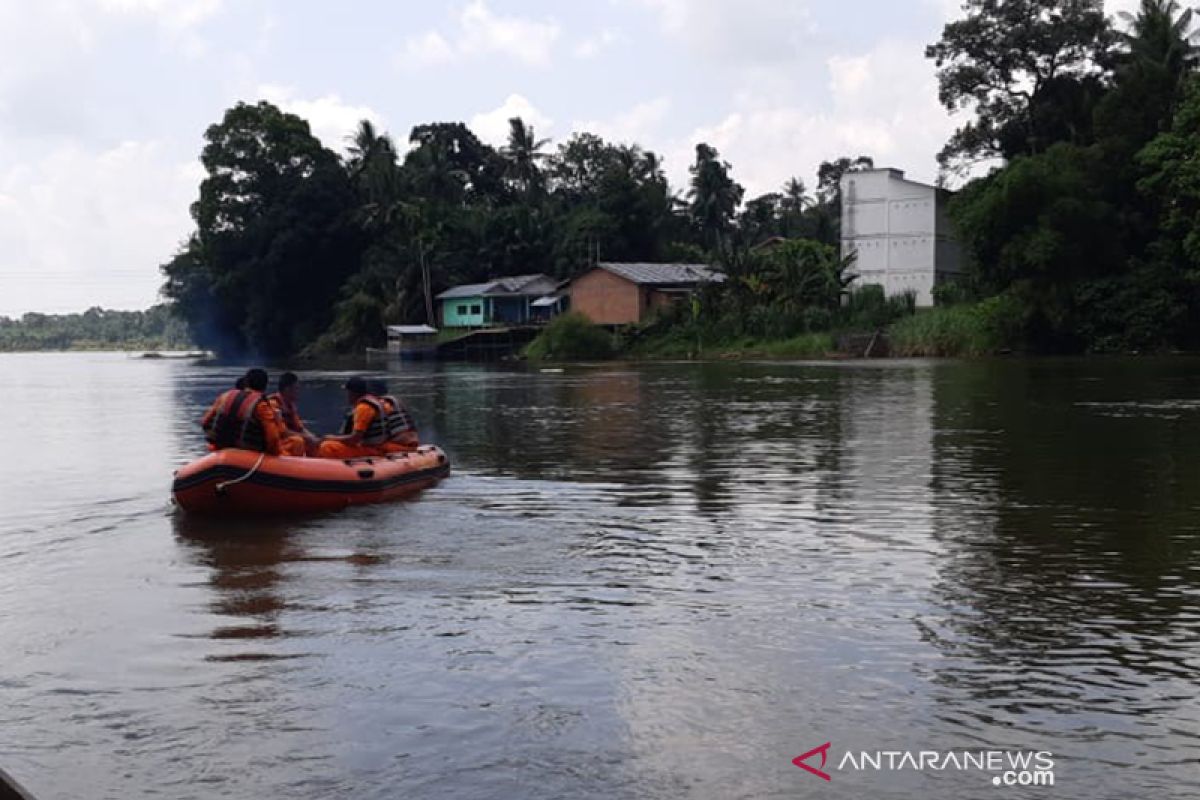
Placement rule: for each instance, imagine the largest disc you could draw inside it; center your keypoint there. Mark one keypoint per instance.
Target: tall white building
(899, 232)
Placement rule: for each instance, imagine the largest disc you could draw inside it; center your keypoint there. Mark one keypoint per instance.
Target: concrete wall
(899, 232)
(606, 299)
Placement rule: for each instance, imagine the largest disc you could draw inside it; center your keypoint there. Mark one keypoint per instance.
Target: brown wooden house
(618, 293)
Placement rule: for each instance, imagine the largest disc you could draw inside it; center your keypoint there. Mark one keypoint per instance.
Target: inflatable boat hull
(235, 481)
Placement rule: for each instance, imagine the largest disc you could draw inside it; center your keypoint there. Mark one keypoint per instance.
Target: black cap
(356, 385)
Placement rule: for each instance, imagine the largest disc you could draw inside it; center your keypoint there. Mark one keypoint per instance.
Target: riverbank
(993, 327)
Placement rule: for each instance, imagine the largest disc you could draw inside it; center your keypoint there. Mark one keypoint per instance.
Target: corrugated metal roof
(663, 274)
(410, 330)
(466, 290)
(516, 285)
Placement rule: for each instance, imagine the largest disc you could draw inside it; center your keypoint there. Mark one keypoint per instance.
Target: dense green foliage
(571, 337)
(96, 329)
(297, 249)
(1084, 238)
(785, 296)
(1030, 69)
(274, 240)
(1089, 228)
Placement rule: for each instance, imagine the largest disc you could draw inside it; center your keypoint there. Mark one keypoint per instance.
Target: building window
(474, 309)
(461, 309)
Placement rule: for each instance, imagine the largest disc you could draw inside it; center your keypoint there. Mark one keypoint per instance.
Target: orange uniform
(291, 429)
(226, 425)
(365, 421)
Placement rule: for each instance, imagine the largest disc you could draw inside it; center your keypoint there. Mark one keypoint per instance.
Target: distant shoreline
(144, 352)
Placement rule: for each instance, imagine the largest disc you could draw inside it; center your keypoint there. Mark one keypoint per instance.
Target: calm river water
(653, 581)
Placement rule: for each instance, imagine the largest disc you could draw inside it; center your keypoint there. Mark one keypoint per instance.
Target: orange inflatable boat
(242, 481)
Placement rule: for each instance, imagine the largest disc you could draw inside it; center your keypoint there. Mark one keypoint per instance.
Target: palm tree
(523, 155)
(373, 169)
(1159, 50)
(795, 196)
(715, 195)
(368, 148)
(1160, 34)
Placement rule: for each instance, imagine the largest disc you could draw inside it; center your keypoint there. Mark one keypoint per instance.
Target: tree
(829, 176)
(523, 156)
(274, 240)
(1039, 229)
(761, 218)
(714, 195)
(1156, 55)
(825, 217)
(803, 273)
(1017, 64)
(1171, 164)
(449, 164)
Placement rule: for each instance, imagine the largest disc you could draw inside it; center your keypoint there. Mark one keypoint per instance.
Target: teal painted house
(504, 301)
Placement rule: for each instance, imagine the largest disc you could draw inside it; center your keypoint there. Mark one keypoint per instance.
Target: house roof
(662, 274)
(410, 330)
(515, 286)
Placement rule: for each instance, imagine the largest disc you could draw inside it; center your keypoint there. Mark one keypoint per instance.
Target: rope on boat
(225, 484)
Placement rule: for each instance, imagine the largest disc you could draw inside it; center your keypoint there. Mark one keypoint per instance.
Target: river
(648, 581)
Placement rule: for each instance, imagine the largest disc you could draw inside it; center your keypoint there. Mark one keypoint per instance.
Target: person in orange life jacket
(367, 433)
(239, 384)
(243, 418)
(284, 402)
(401, 429)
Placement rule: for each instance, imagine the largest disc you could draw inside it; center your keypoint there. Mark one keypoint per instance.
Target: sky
(104, 103)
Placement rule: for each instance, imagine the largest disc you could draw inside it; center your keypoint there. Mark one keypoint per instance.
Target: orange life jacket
(236, 422)
(288, 412)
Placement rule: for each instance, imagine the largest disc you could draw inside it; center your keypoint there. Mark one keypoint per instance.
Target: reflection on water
(641, 581)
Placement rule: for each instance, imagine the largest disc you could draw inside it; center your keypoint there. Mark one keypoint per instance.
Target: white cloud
(85, 227)
(479, 32)
(884, 105)
(430, 48)
(332, 120)
(492, 126)
(640, 124)
(1114, 7)
(594, 45)
(172, 14)
(748, 31)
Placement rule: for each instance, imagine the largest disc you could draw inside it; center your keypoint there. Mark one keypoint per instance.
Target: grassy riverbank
(806, 345)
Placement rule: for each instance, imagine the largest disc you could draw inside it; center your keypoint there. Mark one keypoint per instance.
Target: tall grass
(991, 326)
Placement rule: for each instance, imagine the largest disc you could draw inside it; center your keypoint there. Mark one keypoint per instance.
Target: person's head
(289, 385)
(355, 388)
(256, 379)
(377, 387)
(240, 383)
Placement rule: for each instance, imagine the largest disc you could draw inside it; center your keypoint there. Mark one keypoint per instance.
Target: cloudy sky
(103, 103)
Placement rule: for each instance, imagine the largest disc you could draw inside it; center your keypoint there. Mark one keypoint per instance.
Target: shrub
(990, 326)
(1145, 310)
(867, 307)
(571, 337)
